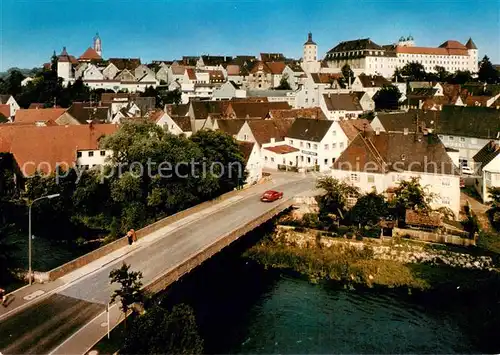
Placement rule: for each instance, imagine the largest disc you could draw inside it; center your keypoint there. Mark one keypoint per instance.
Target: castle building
(365, 56)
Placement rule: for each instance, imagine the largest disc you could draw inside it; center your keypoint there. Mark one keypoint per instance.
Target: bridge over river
(68, 315)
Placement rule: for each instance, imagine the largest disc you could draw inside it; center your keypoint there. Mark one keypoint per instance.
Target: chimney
(377, 131)
(405, 131)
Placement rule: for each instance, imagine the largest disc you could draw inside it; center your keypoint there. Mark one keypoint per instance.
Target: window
(326, 161)
(441, 136)
(450, 138)
(371, 178)
(308, 159)
(334, 145)
(78, 154)
(265, 158)
(103, 153)
(445, 200)
(462, 139)
(446, 182)
(334, 133)
(245, 137)
(315, 146)
(91, 154)
(354, 177)
(308, 145)
(326, 146)
(301, 144)
(291, 141)
(272, 159)
(341, 145)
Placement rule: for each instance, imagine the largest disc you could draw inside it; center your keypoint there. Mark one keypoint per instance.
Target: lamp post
(29, 230)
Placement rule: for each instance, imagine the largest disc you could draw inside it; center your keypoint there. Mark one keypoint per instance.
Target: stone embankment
(395, 250)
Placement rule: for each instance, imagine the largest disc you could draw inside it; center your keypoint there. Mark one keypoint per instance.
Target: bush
(310, 220)
(343, 230)
(300, 229)
(371, 232)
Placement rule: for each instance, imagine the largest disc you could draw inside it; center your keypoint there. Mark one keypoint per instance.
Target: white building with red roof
(365, 56)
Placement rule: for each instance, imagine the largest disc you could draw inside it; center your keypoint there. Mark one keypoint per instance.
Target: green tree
(347, 73)
(387, 98)
(409, 194)
(460, 77)
(129, 291)
(487, 72)
(442, 74)
(221, 152)
(369, 209)
(336, 193)
(159, 331)
(414, 71)
(284, 84)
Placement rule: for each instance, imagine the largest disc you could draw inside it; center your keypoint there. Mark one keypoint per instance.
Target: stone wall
(387, 250)
(434, 237)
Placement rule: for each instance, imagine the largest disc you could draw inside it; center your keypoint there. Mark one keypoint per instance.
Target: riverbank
(394, 264)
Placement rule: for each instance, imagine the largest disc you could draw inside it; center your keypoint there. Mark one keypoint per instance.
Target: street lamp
(29, 229)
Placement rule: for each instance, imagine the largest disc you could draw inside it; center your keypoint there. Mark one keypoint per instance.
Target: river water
(243, 309)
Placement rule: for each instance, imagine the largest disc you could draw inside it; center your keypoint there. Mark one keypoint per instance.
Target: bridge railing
(122, 242)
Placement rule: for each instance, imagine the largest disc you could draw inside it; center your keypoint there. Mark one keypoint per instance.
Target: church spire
(98, 44)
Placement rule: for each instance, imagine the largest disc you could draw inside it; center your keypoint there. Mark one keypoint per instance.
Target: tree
(160, 331)
(409, 194)
(487, 72)
(130, 287)
(442, 74)
(414, 71)
(347, 73)
(221, 150)
(334, 200)
(369, 209)
(460, 77)
(284, 84)
(387, 98)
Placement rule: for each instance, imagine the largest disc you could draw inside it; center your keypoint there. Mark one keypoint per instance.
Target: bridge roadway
(64, 321)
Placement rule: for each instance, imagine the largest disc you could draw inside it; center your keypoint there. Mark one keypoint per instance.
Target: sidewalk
(31, 294)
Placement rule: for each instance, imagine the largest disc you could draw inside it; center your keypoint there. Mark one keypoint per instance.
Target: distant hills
(25, 72)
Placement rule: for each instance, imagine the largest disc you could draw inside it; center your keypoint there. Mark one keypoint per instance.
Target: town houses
(311, 114)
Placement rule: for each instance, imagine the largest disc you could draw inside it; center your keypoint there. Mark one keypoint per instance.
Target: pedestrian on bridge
(130, 237)
(3, 296)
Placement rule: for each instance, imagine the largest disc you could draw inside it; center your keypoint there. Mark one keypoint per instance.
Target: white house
(341, 106)
(320, 142)
(376, 160)
(91, 158)
(229, 90)
(253, 161)
(174, 124)
(280, 157)
(295, 75)
(26, 81)
(111, 71)
(288, 96)
(314, 86)
(9, 100)
(369, 83)
(487, 162)
(365, 101)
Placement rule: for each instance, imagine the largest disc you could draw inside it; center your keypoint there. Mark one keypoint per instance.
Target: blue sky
(164, 29)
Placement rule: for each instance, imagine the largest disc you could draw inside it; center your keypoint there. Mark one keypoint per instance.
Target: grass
(351, 265)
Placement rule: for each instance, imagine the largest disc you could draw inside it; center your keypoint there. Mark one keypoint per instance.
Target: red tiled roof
(282, 149)
(447, 48)
(352, 128)
(37, 115)
(276, 67)
(90, 54)
(42, 148)
(191, 74)
(156, 115)
(246, 149)
(36, 105)
(311, 112)
(5, 111)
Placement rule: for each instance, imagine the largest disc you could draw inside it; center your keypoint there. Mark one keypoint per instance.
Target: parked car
(271, 196)
(467, 170)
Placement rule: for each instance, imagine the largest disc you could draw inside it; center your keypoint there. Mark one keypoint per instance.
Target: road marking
(34, 295)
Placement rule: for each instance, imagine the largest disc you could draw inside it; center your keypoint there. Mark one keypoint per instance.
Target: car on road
(271, 196)
(467, 170)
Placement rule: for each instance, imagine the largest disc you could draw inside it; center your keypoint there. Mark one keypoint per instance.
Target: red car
(271, 196)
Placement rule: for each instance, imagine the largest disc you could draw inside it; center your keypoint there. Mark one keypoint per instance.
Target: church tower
(310, 50)
(98, 44)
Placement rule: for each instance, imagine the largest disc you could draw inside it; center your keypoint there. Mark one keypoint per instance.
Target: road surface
(42, 327)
